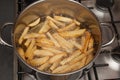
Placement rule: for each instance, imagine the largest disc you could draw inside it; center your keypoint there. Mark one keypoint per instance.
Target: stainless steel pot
(65, 7)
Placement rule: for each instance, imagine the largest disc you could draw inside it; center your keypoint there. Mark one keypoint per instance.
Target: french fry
(89, 58)
(68, 27)
(91, 43)
(42, 36)
(44, 66)
(31, 35)
(53, 25)
(27, 42)
(77, 28)
(57, 57)
(74, 55)
(44, 42)
(55, 21)
(76, 66)
(45, 27)
(79, 64)
(30, 56)
(86, 43)
(76, 22)
(34, 23)
(83, 41)
(63, 43)
(60, 68)
(43, 45)
(39, 61)
(63, 19)
(83, 61)
(28, 53)
(53, 39)
(72, 34)
(42, 53)
(81, 56)
(77, 45)
(21, 52)
(23, 34)
(29, 18)
(54, 65)
(71, 67)
(55, 51)
(33, 49)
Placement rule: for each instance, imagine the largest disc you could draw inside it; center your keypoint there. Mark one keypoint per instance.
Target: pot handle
(113, 38)
(1, 31)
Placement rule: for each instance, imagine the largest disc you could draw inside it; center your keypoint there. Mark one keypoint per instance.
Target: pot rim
(61, 74)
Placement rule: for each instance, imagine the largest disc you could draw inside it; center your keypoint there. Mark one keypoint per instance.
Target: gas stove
(106, 66)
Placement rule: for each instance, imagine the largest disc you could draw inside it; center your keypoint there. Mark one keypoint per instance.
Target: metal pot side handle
(113, 38)
(1, 30)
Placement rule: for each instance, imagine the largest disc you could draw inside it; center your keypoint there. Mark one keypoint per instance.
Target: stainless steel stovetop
(105, 67)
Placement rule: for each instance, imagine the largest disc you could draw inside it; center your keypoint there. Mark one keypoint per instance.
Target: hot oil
(36, 29)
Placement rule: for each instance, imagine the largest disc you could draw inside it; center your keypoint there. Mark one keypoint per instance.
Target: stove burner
(104, 4)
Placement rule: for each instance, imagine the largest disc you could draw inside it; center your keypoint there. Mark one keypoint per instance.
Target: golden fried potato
(42, 53)
(34, 23)
(60, 68)
(89, 58)
(77, 45)
(91, 43)
(27, 42)
(76, 22)
(54, 65)
(53, 49)
(81, 56)
(32, 35)
(57, 57)
(71, 57)
(21, 52)
(39, 61)
(63, 19)
(23, 34)
(72, 34)
(52, 25)
(68, 27)
(29, 18)
(44, 66)
(87, 39)
(29, 53)
(71, 67)
(53, 40)
(44, 42)
(58, 23)
(63, 43)
(79, 64)
(45, 27)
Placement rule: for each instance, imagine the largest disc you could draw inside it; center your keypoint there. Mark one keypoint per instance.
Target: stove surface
(6, 54)
(104, 67)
